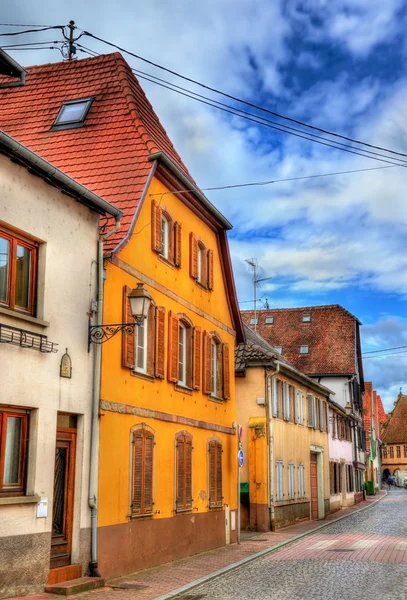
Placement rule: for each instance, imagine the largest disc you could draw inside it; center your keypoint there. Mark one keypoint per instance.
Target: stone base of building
(25, 562)
(358, 497)
(259, 517)
(288, 514)
(148, 542)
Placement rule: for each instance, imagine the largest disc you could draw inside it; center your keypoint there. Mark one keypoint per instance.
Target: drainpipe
(94, 448)
(270, 463)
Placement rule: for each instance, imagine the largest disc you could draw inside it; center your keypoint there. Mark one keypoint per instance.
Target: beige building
(284, 416)
(49, 233)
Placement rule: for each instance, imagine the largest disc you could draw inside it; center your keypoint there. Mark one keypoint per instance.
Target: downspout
(94, 448)
(270, 462)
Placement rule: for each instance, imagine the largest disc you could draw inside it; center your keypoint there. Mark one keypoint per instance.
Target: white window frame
(165, 237)
(182, 355)
(304, 349)
(291, 481)
(143, 328)
(301, 487)
(254, 321)
(269, 320)
(279, 481)
(274, 392)
(306, 318)
(299, 411)
(199, 256)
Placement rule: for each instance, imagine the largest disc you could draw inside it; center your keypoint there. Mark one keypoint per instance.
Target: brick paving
(163, 580)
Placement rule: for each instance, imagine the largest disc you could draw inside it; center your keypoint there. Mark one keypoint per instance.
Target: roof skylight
(72, 113)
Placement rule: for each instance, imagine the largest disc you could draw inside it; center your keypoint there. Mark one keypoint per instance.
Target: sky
(339, 66)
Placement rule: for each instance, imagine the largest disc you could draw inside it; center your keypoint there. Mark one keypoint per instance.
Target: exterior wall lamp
(140, 302)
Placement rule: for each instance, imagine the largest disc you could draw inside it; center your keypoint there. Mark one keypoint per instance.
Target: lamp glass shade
(140, 301)
(348, 408)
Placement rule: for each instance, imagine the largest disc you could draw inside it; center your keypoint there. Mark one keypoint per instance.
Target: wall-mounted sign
(66, 365)
(42, 508)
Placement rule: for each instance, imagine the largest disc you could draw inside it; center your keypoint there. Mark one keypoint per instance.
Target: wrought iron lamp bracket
(99, 334)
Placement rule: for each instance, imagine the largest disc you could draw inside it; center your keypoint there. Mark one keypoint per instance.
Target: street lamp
(140, 302)
(348, 408)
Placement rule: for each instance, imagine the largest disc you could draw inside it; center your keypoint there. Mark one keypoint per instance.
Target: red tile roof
(380, 411)
(331, 335)
(394, 431)
(109, 154)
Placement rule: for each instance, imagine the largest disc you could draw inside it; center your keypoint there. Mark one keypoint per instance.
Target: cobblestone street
(364, 555)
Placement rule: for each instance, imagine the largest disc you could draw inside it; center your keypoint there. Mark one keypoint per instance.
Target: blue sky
(338, 65)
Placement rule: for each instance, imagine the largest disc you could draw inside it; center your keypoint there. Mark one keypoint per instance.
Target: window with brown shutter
(177, 244)
(200, 262)
(183, 446)
(160, 342)
(210, 270)
(226, 372)
(173, 346)
(165, 234)
(215, 474)
(206, 363)
(193, 255)
(142, 470)
(185, 351)
(128, 338)
(156, 226)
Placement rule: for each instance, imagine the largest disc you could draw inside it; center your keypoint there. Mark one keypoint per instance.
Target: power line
(259, 120)
(383, 350)
(22, 25)
(386, 355)
(32, 30)
(240, 100)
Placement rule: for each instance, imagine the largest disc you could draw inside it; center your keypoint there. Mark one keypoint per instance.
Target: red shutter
(177, 244)
(156, 231)
(188, 472)
(226, 372)
(219, 495)
(196, 379)
(173, 346)
(193, 255)
(210, 269)
(160, 342)
(128, 342)
(142, 483)
(151, 327)
(207, 363)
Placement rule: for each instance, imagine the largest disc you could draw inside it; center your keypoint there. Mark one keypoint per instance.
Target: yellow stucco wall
(121, 385)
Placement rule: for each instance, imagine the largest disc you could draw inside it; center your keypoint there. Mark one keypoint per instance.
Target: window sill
(216, 507)
(23, 317)
(142, 375)
(202, 286)
(184, 389)
(143, 516)
(215, 399)
(19, 500)
(183, 510)
(166, 261)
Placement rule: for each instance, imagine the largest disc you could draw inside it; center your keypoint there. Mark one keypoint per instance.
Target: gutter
(16, 70)
(95, 425)
(163, 158)
(66, 183)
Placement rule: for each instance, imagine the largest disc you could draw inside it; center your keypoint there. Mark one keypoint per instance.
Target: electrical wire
(385, 355)
(240, 100)
(32, 30)
(383, 350)
(32, 44)
(21, 25)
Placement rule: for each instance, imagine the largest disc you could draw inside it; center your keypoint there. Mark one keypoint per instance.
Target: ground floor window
(13, 451)
(350, 484)
(279, 481)
(335, 478)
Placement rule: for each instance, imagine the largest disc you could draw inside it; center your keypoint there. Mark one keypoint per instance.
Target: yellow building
(284, 415)
(167, 462)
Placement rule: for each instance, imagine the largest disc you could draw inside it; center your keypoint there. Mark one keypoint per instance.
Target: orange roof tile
(109, 154)
(395, 429)
(331, 335)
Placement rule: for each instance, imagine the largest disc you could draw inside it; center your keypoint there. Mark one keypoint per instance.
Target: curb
(244, 561)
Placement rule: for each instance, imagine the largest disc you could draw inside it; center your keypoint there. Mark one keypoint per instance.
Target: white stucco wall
(69, 232)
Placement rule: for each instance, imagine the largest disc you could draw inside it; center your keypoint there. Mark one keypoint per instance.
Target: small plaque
(42, 508)
(66, 365)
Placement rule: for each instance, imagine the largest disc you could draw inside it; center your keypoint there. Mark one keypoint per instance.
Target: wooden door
(314, 485)
(62, 508)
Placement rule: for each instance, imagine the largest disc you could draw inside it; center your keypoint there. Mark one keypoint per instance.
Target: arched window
(165, 234)
(142, 466)
(216, 367)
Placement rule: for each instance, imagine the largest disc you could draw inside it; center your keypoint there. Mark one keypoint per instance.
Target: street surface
(361, 557)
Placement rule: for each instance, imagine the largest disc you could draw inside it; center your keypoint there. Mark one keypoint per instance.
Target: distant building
(372, 414)
(284, 416)
(324, 343)
(394, 439)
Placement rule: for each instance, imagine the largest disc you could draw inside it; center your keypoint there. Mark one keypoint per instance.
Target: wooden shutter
(151, 336)
(215, 474)
(327, 417)
(309, 410)
(156, 232)
(196, 369)
(226, 371)
(173, 346)
(142, 481)
(207, 363)
(322, 415)
(286, 400)
(210, 269)
(177, 243)
(184, 472)
(193, 255)
(160, 342)
(274, 396)
(128, 339)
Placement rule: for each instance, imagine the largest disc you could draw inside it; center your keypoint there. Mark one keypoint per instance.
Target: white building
(49, 239)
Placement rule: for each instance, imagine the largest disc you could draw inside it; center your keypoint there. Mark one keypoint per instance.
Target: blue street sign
(240, 458)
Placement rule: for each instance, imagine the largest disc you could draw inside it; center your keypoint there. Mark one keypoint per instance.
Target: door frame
(319, 451)
(67, 438)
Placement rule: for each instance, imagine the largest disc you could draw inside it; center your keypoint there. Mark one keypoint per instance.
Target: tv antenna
(252, 262)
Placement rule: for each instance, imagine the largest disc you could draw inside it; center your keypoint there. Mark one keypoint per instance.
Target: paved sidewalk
(169, 580)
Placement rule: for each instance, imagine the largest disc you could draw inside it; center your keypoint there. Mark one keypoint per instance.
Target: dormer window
(304, 349)
(72, 113)
(269, 320)
(254, 321)
(306, 318)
